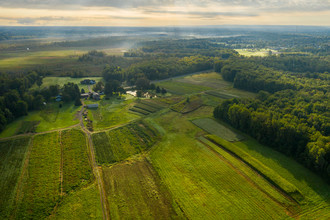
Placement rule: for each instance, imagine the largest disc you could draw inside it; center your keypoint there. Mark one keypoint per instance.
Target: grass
(47, 81)
(254, 52)
(221, 95)
(213, 80)
(40, 190)
(180, 88)
(134, 192)
(120, 143)
(111, 113)
(76, 168)
(139, 111)
(265, 171)
(191, 103)
(316, 191)
(12, 155)
(83, 204)
(27, 127)
(217, 129)
(30, 58)
(50, 118)
(200, 182)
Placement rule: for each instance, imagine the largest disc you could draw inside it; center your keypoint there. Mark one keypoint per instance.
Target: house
(92, 106)
(84, 95)
(96, 96)
(88, 82)
(58, 98)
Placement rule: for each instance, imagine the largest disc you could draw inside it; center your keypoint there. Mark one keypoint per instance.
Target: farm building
(92, 106)
(96, 96)
(88, 82)
(84, 95)
(58, 98)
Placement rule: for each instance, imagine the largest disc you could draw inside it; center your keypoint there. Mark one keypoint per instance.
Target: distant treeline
(291, 113)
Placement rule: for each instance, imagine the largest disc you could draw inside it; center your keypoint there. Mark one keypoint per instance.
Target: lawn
(134, 192)
(76, 168)
(83, 204)
(201, 183)
(111, 113)
(217, 129)
(12, 155)
(213, 80)
(40, 189)
(50, 118)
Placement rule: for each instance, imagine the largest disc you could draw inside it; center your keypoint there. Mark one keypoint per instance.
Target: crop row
(221, 95)
(121, 143)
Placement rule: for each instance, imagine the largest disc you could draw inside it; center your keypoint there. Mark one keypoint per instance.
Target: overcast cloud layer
(165, 12)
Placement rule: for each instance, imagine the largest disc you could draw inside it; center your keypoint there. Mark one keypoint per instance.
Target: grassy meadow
(47, 81)
(50, 118)
(255, 52)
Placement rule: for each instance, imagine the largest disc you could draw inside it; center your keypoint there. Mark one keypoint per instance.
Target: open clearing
(215, 128)
(111, 113)
(50, 118)
(12, 154)
(255, 52)
(134, 192)
(180, 88)
(213, 80)
(47, 81)
(213, 188)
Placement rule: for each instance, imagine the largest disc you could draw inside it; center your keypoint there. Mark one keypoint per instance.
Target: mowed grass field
(50, 118)
(12, 155)
(216, 128)
(134, 192)
(255, 52)
(203, 184)
(30, 58)
(180, 88)
(111, 113)
(47, 81)
(121, 143)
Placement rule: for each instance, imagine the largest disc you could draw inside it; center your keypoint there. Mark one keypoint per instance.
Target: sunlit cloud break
(164, 12)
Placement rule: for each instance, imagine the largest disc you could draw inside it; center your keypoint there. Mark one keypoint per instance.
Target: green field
(39, 192)
(76, 167)
(111, 113)
(213, 188)
(191, 103)
(12, 155)
(255, 52)
(47, 81)
(134, 192)
(180, 88)
(212, 79)
(120, 143)
(221, 95)
(84, 204)
(144, 107)
(215, 128)
(50, 118)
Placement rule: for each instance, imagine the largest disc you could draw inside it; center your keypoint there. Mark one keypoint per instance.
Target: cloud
(259, 5)
(26, 21)
(205, 14)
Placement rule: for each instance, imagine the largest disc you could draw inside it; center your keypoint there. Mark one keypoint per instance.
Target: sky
(163, 12)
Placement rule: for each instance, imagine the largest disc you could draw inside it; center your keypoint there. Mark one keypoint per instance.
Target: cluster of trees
(91, 56)
(291, 113)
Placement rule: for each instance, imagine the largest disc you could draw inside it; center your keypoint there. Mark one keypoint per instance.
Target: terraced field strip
(77, 170)
(41, 188)
(217, 129)
(205, 186)
(120, 143)
(254, 178)
(286, 188)
(139, 110)
(134, 192)
(12, 157)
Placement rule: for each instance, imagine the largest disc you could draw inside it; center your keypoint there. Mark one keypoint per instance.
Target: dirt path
(96, 169)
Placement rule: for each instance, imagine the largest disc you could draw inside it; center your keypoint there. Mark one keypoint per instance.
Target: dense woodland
(291, 113)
